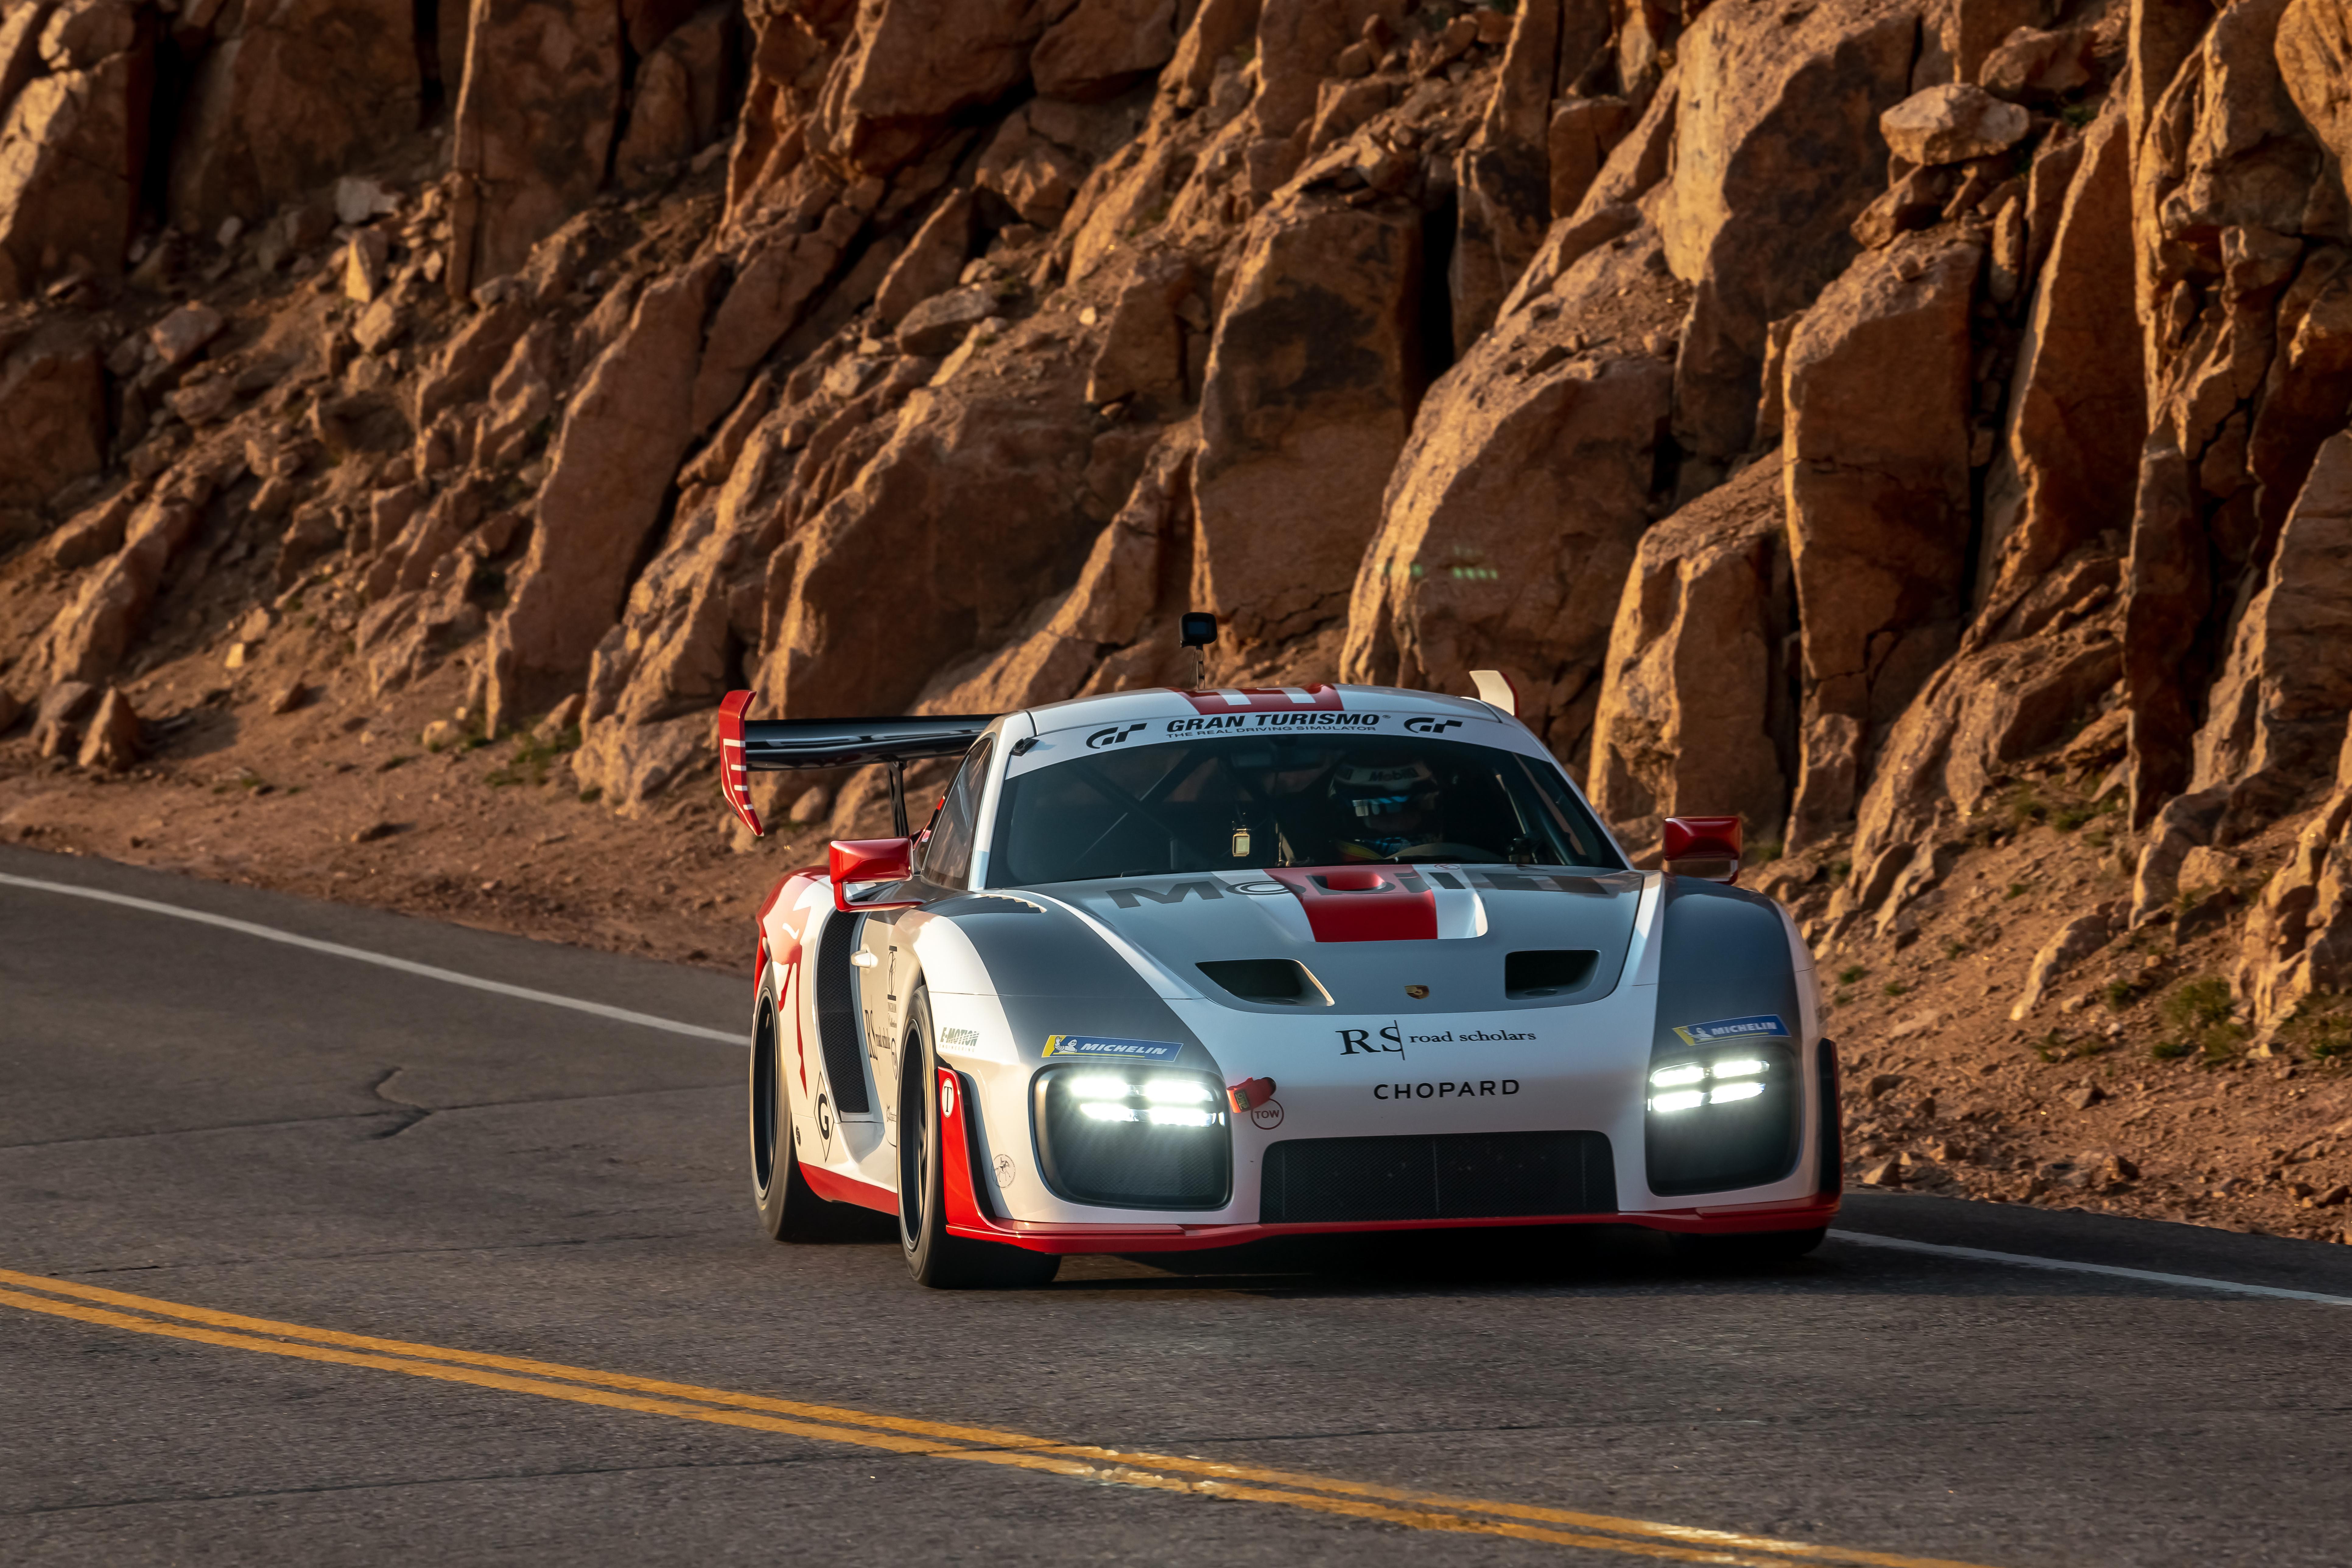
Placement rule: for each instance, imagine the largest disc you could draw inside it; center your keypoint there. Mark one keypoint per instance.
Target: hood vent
(1548, 972)
(1274, 982)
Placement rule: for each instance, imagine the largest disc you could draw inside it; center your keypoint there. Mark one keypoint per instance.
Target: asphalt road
(200, 1126)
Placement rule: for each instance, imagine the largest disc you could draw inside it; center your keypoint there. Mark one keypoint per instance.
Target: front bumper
(968, 1216)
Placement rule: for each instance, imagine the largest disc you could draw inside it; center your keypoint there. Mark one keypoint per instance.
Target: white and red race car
(1172, 969)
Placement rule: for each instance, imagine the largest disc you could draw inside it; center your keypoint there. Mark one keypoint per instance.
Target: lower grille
(1454, 1175)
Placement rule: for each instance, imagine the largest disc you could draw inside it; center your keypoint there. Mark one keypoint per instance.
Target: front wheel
(789, 1208)
(934, 1257)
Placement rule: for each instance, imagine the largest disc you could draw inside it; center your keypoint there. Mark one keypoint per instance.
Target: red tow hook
(1249, 1094)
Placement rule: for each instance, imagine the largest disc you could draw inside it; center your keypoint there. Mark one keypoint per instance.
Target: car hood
(1369, 937)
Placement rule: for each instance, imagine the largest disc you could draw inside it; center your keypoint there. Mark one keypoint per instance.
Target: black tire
(934, 1257)
(789, 1208)
(1752, 1250)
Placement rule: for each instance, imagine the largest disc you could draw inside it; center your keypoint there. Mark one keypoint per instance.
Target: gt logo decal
(1114, 736)
(1422, 724)
(1359, 1042)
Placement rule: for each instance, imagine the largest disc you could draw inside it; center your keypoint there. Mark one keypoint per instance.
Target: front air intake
(1451, 1175)
(1274, 981)
(1547, 972)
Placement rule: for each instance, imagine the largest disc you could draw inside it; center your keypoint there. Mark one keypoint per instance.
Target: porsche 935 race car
(1171, 970)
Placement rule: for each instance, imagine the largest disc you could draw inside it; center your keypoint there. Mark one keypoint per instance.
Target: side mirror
(1706, 848)
(869, 860)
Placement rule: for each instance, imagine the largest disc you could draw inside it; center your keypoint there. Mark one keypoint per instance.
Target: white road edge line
(2020, 1261)
(384, 960)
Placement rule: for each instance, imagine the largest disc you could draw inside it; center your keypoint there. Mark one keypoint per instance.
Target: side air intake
(836, 1017)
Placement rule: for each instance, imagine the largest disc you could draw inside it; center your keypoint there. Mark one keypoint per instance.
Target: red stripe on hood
(1369, 903)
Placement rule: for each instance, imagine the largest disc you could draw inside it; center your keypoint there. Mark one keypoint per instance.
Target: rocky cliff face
(1845, 412)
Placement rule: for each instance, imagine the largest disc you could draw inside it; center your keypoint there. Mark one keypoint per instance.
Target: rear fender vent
(1548, 972)
(1274, 982)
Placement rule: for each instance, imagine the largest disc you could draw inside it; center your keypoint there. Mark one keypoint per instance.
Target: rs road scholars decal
(1101, 1047)
(1757, 1025)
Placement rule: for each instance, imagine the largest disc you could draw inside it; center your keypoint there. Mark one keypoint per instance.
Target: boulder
(914, 63)
(1583, 133)
(2298, 935)
(1878, 394)
(58, 717)
(533, 130)
(2075, 941)
(461, 371)
(2276, 710)
(939, 323)
(2168, 589)
(72, 148)
(52, 415)
(612, 465)
(289, 94)
(1778, 151)
(1696, 712)
(1314, 373)
(773, 289)
(91, 634)
(931, 263)
(2077, 409)
(678, 98)
(179, 336)
(1142, 352)
(1512, 516)
(2041, 64)
(1505, 198)
(2314, 49)
(1033, 172)
(1958, 35)
(1101, 48)
(111, 744)
(1952, 124)
(976, 493)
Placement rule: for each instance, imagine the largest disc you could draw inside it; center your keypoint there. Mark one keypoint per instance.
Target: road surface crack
(410, 1111)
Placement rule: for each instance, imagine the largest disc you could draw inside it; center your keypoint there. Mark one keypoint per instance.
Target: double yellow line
(930, 1439)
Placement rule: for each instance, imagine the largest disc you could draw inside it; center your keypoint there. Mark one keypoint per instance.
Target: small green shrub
(1851, 973)
(2169, 1050)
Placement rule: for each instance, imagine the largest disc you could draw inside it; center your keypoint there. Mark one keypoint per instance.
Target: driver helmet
(1382, 799)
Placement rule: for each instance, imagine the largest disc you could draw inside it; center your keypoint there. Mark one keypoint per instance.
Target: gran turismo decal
(1464, 1087)
(1103, 1048)
(1757, 1025)
(1116, 735)
(1297, 719)
(1423, 724)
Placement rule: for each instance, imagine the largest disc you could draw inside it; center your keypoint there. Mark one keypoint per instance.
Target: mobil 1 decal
(1391, 1038)
(1755, 1026)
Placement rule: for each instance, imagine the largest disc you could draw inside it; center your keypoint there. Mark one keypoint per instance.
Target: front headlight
(1728, 1079)
(1723, 1119)
(1140, 1138)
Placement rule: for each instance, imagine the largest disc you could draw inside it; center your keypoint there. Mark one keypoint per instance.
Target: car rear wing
(747, 743)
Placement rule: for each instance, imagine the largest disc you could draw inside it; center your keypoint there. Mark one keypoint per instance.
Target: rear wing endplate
(747, 743)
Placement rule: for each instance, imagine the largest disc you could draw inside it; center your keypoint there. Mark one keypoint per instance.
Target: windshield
(1239, 802)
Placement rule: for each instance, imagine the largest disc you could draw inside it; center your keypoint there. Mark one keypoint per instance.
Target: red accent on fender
(1362, 903)
(870, 860)
(1735, 1220)
(960, 1199)
(1260, 699)
(734, 780)
(837, 1188)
